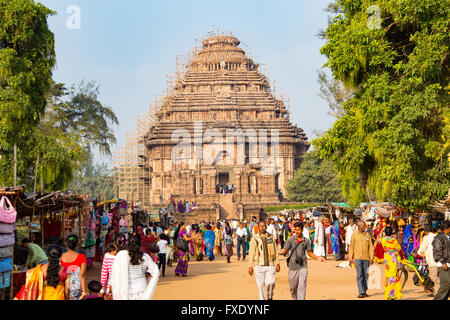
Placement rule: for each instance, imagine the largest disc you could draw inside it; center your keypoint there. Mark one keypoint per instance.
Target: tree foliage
(315, 181)
(27, 56)
(78, 111)
(392, 136)
(94, 179)
(333, 92)
(53, 127)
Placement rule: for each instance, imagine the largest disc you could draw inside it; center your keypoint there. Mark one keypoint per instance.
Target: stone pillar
(217, 212)
(240, 207)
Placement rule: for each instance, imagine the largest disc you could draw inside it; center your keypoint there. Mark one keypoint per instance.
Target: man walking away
(426, 250)
(441, 254)
(242, 235)
(263, 256)
(361, 254)
(162, 246)
(298, 245)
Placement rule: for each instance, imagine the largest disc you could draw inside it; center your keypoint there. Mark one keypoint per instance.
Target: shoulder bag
(292, 252)
(6, 240)
(6, 252)
(7, 227)
(6, 264)
(182, 244)
(5, 280)
(7, 214)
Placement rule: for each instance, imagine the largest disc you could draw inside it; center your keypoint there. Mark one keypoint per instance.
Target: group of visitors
(132, 264)
(186, 207)
(362, 245)
(384, 246)
(226, 188)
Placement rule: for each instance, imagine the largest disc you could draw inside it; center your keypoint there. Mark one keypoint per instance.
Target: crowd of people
(225, 188)
(133, 263)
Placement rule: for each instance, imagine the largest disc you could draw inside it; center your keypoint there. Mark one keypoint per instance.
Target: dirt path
(218, 280)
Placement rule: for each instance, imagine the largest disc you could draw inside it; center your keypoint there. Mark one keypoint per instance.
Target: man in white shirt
(348, 233)
(319, 239)
(241, 233)
(234, 225)
(426, 250)
(271, 228)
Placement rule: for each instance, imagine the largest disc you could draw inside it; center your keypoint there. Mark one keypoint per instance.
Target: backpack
(74, 284)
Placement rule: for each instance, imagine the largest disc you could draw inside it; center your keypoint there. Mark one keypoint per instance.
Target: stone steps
(227, 206)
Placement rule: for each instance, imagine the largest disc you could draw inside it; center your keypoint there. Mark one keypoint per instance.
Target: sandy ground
(218, 280)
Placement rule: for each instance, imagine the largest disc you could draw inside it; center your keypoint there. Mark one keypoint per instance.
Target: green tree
(392, 137)
(315, 181)
(27, 57)
(94, 179)
(74, 121)
(334, 92)
(78, 111)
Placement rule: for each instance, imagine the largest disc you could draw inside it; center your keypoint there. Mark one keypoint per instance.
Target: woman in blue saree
(335, 240)
(209, 238)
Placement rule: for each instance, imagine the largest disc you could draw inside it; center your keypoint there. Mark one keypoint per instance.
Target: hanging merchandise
(5, 280)
(6, 264)
(104, 219)
(76, 226)
(6, 252)
(52, 227)
(7, 213)
(91, 222)
(115, 223)
(6, 240)
(7, 227)
(90, 241)
(123, 224)
(34, 227)
(123, 208)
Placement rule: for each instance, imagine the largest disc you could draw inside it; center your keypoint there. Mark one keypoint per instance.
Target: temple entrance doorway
(224, 178)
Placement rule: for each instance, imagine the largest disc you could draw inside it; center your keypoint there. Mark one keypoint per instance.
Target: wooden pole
(15, 164)
(35, 173)
(79, 223)
(11, 280)
(42, 230)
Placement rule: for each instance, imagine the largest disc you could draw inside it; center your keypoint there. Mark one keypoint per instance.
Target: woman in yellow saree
(45, 282)
(392, 266)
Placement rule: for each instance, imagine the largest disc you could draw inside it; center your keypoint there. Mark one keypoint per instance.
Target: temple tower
(221, 125)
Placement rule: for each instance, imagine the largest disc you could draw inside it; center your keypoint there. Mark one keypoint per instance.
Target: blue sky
(128, 46)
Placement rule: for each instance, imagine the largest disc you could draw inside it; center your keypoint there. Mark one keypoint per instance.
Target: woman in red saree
(379, 251)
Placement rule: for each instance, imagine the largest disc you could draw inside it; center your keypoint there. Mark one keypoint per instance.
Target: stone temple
(185, 155)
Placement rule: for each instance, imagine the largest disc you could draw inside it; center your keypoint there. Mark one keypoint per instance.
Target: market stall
(44, 218)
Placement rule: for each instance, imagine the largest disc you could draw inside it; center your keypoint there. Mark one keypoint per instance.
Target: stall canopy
(28, 204)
